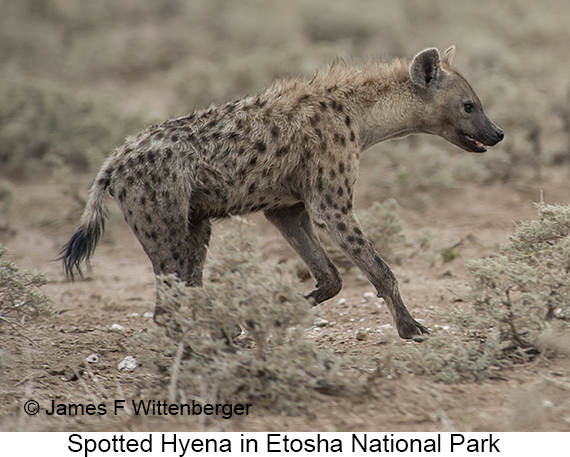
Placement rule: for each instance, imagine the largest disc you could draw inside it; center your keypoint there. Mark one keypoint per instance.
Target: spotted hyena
(293, 152)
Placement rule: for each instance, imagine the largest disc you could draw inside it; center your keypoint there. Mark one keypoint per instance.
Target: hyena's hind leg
(184, 256)
(295, 225)
(174, 244)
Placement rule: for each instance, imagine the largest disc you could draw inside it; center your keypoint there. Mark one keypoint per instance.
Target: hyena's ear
(425, 67)
(448, 55)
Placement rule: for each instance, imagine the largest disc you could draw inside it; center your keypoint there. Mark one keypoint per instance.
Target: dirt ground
(120, 290)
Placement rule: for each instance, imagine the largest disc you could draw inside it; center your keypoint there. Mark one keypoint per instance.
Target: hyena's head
(449, 106)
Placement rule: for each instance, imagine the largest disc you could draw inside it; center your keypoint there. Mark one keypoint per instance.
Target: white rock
(129, 363)
(321, 322)
(93, 358)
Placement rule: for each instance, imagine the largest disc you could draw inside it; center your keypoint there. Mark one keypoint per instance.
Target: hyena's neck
(380, 96)
(395, 114)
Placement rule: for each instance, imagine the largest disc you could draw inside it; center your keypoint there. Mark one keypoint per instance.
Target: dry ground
(120, 289)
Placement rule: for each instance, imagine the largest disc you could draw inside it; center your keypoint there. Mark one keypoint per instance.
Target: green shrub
(20, 293)
(273, 363)
(520, 306)
(524, 291)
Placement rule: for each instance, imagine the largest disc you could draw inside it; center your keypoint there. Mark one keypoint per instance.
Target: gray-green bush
(273, 364)
(21, 296)
(521, 306)
(524, 292)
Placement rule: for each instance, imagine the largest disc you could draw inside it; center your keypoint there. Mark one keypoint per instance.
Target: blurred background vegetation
(77, 76)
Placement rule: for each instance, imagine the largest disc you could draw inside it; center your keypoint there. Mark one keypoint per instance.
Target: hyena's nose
(499, 132)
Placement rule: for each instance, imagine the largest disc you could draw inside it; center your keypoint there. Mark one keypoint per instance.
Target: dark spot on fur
(352, 136)
(260, 146)
(337, 106)
(104, 182)
(282, 151)
(379, 261)
(253, 161)
(357, 231)
(332, 173)
(148, 218)
(232, 136)
(341, 226)
(341, 169)
(329, 199)
(340, 191)
(357, 251)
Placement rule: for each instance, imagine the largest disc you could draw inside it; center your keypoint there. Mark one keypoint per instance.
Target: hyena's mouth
(475, 145)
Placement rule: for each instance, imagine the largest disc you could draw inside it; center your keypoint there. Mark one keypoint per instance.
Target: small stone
(117, 328)
(321, 322)
(129, 363)
(361, 335)
(93, 358)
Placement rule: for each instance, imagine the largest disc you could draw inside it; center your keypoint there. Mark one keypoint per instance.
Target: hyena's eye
(468, 107)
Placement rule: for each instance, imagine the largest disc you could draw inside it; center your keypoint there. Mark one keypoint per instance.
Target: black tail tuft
(79, 249)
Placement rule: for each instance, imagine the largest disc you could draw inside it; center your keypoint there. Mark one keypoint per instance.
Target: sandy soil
(120, 289)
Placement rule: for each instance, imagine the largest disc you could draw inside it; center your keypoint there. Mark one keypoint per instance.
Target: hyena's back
(234, 159)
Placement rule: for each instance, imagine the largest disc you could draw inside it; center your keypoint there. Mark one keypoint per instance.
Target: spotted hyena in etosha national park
(293, 152)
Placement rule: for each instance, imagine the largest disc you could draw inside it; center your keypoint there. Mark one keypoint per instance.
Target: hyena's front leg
(295, 225)
(348, 235)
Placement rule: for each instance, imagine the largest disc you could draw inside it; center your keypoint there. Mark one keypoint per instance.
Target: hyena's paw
(409, 328)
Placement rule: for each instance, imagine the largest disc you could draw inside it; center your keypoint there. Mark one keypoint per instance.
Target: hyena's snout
(496, 134)
(487, 135)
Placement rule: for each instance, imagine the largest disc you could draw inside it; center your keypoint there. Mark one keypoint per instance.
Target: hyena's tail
(82, 244)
